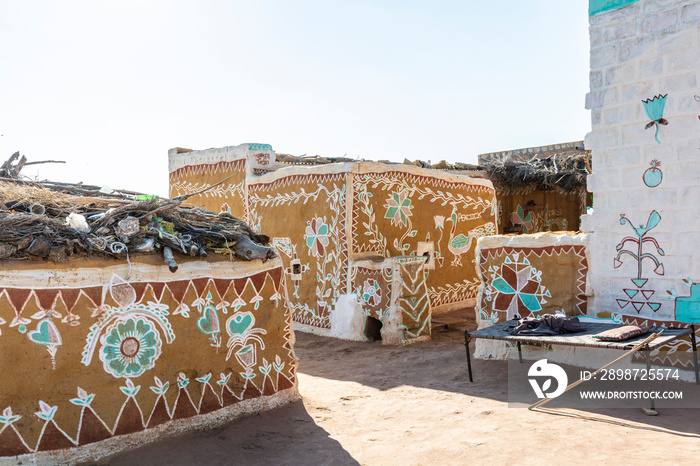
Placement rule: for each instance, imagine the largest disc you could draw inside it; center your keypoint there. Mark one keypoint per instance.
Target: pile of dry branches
(37, 222)
(564, 172)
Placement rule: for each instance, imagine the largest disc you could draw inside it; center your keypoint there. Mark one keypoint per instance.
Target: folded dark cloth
(548, 324)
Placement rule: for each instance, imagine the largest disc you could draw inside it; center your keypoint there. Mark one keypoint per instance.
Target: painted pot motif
(653, 176)
(246, 356)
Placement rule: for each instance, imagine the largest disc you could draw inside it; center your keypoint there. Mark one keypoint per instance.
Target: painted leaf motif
(530, 302)
(46, 333)
(654, 219)
(47, 412)
(122, 292)
(224, 379)
(502, 286)
(239, 323)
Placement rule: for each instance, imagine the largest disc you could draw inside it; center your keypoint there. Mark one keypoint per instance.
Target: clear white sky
(110, 86)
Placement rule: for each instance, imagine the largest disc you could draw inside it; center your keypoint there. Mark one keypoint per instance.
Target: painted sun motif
(130, 348)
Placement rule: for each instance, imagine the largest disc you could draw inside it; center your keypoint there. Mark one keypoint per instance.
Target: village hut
(540, 188)
(371, 249)
(125, 318)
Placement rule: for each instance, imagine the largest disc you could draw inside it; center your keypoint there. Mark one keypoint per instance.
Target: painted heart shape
(46, 333)
(239, 323)
(208, 324)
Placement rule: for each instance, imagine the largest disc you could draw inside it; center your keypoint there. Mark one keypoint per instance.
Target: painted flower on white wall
(317, 236)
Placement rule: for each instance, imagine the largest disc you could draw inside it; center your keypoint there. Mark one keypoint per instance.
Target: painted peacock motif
(461, 243)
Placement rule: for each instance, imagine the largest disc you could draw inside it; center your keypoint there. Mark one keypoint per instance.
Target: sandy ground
(364, 403)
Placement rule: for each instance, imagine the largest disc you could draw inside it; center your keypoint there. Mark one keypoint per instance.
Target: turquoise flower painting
(398, 208)
(655, 111)
(130, 347)
(371, 293)
(517, 288)
(317, 236)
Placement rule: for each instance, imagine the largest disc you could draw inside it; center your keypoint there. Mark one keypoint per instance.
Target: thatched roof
(556, 167)
(562, 171)
(41, 223)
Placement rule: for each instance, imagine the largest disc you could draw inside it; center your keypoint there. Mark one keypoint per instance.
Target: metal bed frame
(501, 331)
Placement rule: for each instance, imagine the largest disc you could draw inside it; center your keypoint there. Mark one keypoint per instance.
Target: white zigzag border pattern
(296, 179)
(208, 168)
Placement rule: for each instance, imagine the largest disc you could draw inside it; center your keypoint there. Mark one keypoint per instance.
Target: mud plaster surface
(364, 403)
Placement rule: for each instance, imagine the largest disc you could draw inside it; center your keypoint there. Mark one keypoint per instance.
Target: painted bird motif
(461, 243)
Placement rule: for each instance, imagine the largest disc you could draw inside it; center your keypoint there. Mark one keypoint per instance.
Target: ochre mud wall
(227, 197)
(535, 211)
(394, 292)
(373, 288)
(531, 275)
(398, 210)
(321, 218)
(221, 173)
(305, 215)
(89, 355)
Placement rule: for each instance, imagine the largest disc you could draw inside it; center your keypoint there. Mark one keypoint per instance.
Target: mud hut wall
(534, 210)
(529, 276)
(193, 171)
(348, 212)
(394, 292)
(304, 210)
(645, 138)
(91, 355)
(400, 210)
(322, 217)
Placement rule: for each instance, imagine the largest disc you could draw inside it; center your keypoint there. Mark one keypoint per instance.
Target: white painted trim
(23, 274)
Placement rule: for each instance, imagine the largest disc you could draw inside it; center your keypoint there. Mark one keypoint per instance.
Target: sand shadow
(668, 422)
(278, 437)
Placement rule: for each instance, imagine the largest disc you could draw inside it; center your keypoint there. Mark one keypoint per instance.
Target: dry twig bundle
(42, 223)
(557, 172)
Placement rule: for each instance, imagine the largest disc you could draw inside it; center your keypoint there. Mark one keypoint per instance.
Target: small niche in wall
(373, 329)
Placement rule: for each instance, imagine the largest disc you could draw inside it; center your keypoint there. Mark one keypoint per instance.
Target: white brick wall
(649, 48)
